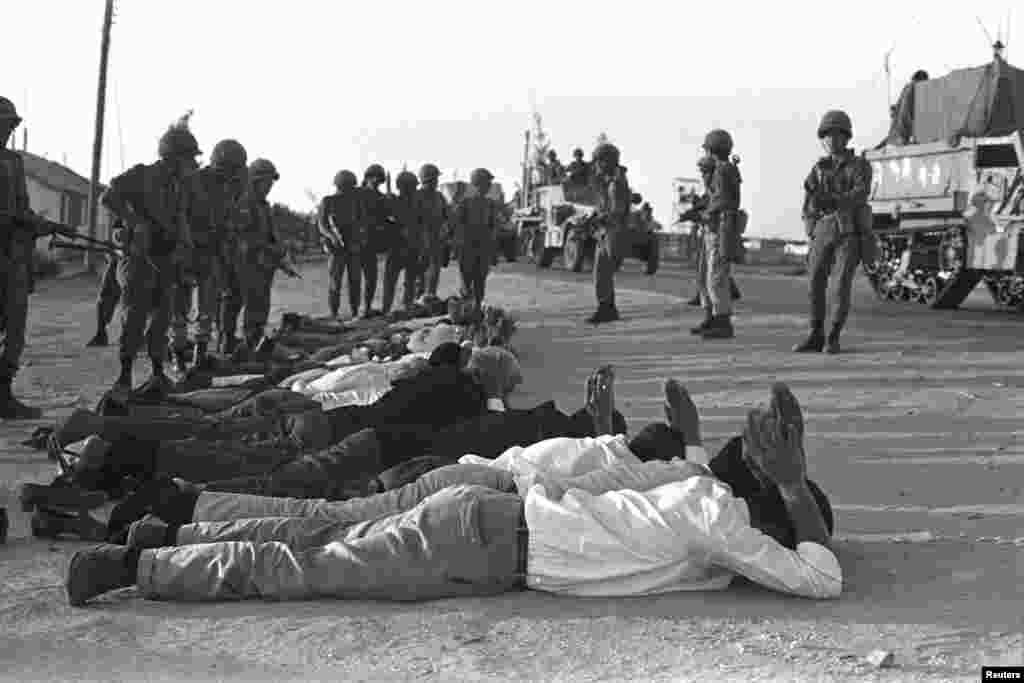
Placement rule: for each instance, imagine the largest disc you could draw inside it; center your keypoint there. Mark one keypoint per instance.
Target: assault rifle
(72, 238)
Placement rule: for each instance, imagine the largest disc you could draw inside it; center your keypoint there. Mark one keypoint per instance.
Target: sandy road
(915, 433)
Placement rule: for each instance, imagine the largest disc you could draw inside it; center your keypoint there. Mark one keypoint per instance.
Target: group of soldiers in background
(415, 230)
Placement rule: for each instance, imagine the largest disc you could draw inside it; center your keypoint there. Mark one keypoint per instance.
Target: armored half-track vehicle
(458, 190)
(948, 191)
(558, 220)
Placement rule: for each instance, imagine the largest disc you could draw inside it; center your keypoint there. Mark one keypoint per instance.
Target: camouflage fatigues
(476, 221)
(344, 209)
(408, 246)
(614, 203)
(17, 245)
(256, 253)
(835, 199)
(211, 201)
(720, 239)
(373, 238)
(434, 211)
(147, 273)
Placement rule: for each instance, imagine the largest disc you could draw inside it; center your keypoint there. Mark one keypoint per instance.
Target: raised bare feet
(681, 412)
(600, 399)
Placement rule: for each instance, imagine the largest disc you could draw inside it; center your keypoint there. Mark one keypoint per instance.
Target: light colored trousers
(714, 270)
(453, 532)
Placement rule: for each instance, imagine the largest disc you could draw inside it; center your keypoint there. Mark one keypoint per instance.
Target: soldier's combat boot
(604, 314)
(694, 300)
(832, 343)
(720, 327)
(98, 570)
(736, 295)
(100, 338)
(13, 409)
(708, 317)
(814, 343)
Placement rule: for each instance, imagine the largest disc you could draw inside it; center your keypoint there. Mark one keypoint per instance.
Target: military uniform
(211, 201)
(476, 220)
(106, 302)
(433, 209)
(407, 248)
(147, 273)
(257, 254)
(614, 201)
(343, 211)
(719, 243)
(377, 232)
(17, 246)
(836, 216)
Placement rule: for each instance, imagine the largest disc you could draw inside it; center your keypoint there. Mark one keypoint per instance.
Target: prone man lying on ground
(570, 520)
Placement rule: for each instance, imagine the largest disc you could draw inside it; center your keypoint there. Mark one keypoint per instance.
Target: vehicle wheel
(653, 256)
(929, 293)
(537, 248)
(547, 257)
(572, 255)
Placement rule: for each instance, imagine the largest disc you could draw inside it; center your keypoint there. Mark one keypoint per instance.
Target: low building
(59, 194)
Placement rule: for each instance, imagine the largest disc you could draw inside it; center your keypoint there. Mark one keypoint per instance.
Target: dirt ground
(915, 433)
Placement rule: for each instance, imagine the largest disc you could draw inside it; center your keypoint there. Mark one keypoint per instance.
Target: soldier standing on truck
(836, 216)
(721, 238)
(339, 222)
(213, 195)
(258, 254)
(614, 201)
(578, 172)
(476, 220)
(407, 245)
(434, 210)
(151, 201)
(376, 212)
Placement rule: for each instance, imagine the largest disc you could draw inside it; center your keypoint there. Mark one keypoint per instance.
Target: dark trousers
(474, 266)
(362, 263)
(147, 297)
(246, 286)
(833, 255)
(109, 294)
(401, 258)
(606, 260)
(432, 260)
(337, 261)
(15, 285)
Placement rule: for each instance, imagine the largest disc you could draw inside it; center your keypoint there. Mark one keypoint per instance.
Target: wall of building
(70, 208)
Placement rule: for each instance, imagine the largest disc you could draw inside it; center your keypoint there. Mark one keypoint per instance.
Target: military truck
(559, 221)
(458, 190)
(948, 190)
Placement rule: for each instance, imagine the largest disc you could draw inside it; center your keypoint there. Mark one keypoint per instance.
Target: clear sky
(320, 85)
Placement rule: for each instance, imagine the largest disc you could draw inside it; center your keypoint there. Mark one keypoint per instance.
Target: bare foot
(786, 409)
(681, 412)
(600, 399)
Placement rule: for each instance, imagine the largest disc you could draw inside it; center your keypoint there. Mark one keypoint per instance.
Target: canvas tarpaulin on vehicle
(983, 101)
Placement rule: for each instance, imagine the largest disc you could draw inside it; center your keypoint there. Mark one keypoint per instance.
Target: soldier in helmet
(151, 201)
(433, 208)
(408, 244)
(836, 213)
(339, 221)
(214, 193)
(720, 242)
(476, 220)
(578, 171)
(257, 254)
(376, 213)
(19, 229)
(614, 201)
(706, 167)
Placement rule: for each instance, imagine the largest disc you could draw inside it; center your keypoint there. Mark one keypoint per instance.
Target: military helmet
(429, 172)
(375, 171)
(345, 179)
(835, 120)
(606, 151)
(718, 141)
(636, 199)
(577, 152)
(229, 154)
(178, 141)
(262, 168)
(407, 179)
(8, 112)
(480, 175)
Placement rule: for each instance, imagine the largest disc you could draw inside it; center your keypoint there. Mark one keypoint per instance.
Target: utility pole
(97, 144)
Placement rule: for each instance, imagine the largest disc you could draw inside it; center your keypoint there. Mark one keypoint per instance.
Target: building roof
(56, 176)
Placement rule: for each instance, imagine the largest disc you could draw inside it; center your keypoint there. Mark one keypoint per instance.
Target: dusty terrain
(915, 433)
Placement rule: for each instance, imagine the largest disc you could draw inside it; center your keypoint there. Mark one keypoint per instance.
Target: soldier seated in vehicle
(578, 171)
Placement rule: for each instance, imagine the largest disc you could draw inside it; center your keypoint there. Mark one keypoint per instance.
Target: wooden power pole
(97, 144)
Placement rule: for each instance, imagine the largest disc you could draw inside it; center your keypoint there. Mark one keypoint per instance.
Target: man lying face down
(578, 525)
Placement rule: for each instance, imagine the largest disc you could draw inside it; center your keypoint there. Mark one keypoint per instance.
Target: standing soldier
(434, 211)
(408, 244)
(614, 201)
(706, 166)
(19, 229)
(721, 238)
(106, 300)
(476, 224)
(339, 221)
(376, 214)
(151, 201)
(214, 192)
(257, 255)
(836, 216)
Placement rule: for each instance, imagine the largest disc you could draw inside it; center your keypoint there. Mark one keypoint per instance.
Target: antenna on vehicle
(988, 36)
